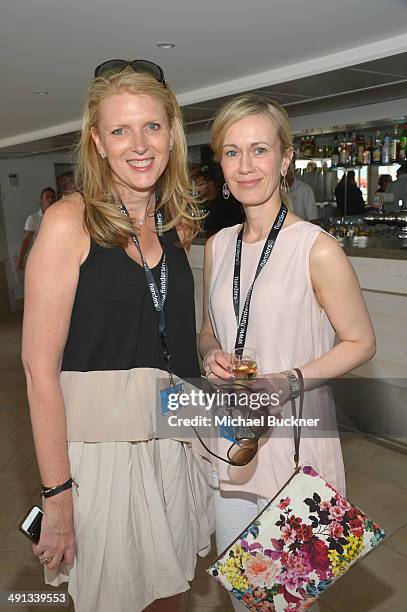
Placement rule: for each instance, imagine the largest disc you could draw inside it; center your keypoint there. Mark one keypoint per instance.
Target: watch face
(293, 383)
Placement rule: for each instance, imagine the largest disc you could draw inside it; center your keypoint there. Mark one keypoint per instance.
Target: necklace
(141, 221)
(149, 206)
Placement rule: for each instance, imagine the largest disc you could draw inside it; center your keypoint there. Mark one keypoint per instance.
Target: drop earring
(284, 185)
(102, 155)
(225, 191)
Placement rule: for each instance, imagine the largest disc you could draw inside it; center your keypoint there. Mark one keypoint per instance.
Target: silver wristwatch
(293, 383)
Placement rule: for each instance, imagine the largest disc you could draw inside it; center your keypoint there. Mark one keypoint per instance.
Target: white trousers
(234, 510)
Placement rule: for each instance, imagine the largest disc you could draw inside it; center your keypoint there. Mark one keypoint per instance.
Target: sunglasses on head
(140, 65)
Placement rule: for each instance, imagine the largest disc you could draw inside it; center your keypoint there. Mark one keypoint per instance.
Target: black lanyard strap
(158, 296)
(264, 257)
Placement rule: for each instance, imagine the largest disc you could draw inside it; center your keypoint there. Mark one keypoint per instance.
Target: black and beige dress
(144, 508)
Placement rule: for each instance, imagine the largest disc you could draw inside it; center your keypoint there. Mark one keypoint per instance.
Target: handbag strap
(297, 439)
(297, 428)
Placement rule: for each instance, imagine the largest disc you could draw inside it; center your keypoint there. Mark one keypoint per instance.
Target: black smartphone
(31, 524)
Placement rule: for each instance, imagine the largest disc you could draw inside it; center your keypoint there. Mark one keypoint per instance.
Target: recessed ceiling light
(40, 92)
(166, 45)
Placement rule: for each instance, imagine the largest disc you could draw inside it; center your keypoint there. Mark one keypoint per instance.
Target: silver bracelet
(293, 383)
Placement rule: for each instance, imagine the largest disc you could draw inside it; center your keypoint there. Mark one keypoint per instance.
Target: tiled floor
(376, 480)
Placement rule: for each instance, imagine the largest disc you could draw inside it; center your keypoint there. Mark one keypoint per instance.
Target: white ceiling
(222, 47)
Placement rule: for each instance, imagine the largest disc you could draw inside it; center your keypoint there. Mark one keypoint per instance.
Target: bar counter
(361, 246)
(374, 246)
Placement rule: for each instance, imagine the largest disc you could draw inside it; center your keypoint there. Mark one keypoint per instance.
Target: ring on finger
(44, 560)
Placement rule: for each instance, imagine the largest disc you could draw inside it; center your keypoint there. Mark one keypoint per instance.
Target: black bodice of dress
(114, 325)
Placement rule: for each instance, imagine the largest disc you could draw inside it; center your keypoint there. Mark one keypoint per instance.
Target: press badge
(227, 432)
(169, 397)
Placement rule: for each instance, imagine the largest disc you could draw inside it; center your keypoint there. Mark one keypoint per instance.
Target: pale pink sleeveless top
(288, 329)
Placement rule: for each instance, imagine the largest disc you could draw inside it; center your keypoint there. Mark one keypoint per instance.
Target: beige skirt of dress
(143, 513)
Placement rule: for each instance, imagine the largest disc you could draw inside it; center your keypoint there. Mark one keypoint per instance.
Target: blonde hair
(105, 224)
(245, 106)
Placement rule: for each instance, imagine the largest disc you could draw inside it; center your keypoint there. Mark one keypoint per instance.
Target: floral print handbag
(307, 537)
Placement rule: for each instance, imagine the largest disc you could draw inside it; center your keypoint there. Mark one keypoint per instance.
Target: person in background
(355, 203)
(399, 188)
(194, 170)
(33, 222)
(384, 180)
(66, 184)
(302, 198)
(222, 212)
(206, 186)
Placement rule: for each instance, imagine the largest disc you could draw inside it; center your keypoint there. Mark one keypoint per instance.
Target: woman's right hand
(57, 538)
(218, 364)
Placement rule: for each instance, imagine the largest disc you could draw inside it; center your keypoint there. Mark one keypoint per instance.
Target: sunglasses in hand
(244, 449)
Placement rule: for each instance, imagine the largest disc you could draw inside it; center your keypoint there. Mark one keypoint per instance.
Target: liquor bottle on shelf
(349, 149)
(343, 158)
(313, 148)
(385, 155)
(335, 153)
(307, 147)
(403, 144)
(297, 150)
(377, 153)
(367, 152)
(354, 153)
(361, 145)
(395, 145)
(302, 148)
(371, 146)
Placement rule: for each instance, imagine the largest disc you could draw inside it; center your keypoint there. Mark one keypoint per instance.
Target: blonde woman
(109, 308)
(305, 292)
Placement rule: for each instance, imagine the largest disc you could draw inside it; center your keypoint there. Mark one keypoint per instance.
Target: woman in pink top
(305, 293)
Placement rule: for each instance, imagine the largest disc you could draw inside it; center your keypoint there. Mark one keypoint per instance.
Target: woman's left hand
(275, 384)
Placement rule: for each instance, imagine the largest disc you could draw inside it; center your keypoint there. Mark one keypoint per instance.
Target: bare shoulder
(62, 227)
(65, 217)
(326, 248)
(328, 263)
(66, 212)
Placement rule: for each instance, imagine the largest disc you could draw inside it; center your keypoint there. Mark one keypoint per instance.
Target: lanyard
(157, 295)
(264, 257)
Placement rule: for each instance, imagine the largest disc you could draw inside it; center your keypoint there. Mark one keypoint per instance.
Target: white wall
(34, 173)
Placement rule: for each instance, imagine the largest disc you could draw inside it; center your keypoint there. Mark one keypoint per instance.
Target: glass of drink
(244, 364)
